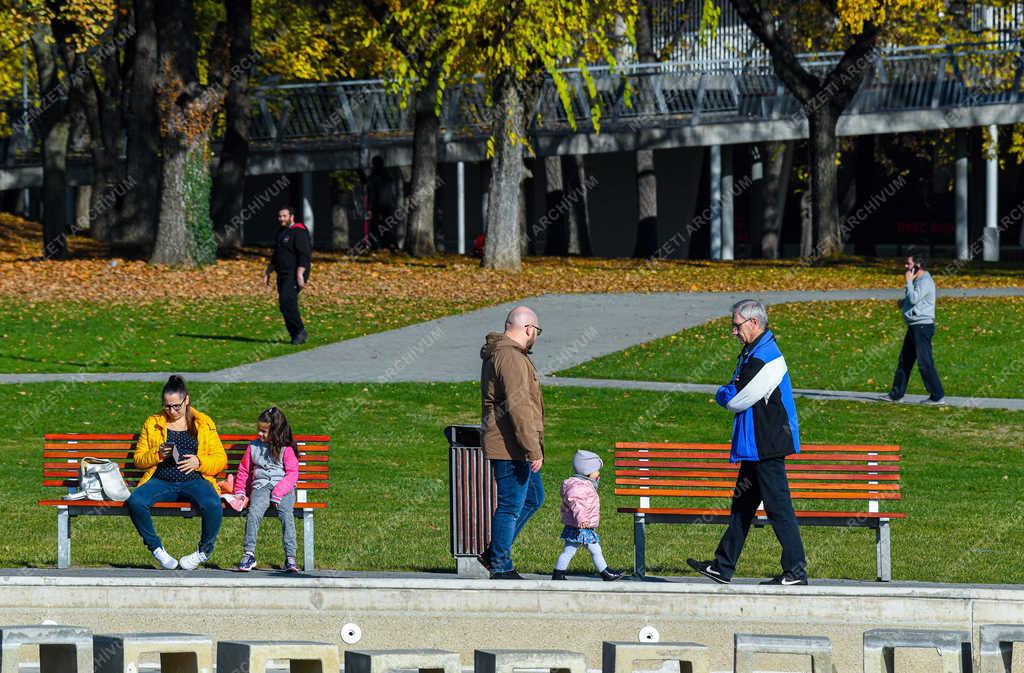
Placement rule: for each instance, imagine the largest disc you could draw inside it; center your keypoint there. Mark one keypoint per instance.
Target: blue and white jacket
(761, 396)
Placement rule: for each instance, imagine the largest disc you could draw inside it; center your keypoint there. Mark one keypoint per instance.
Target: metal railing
(657, 95)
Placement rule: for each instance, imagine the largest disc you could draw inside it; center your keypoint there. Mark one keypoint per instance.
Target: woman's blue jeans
(520, 494)
(199, 492)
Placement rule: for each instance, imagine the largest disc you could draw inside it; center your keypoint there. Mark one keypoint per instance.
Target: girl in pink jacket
(581, 514)
(267, 475)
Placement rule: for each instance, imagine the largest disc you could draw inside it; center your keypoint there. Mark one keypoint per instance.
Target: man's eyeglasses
(175, 407)
(737, 325)
(536, 327)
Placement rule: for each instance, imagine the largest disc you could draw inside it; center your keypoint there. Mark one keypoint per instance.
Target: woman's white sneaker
(192, 561)
(166, 561)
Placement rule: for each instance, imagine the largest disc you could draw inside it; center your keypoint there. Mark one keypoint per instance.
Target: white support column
(307, 202)
(715, 172)
(727, 209)
(960, 195)
(460, 189)
(990, 235)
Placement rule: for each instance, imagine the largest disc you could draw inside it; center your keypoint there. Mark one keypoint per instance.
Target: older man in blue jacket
(765, 431)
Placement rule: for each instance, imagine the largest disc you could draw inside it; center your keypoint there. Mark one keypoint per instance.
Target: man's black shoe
(558, 574)
(300, 338)
(506, 575)
(484, 560)
(708, 569)
(787, 580)
(609, 575)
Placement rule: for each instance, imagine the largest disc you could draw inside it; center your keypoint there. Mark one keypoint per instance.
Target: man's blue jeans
(520, 494)
(199, 492)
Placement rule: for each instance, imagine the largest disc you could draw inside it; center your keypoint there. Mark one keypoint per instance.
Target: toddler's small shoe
(192, 561)
(247, 563)
(290, 566)
(609, 575)
(166, 561)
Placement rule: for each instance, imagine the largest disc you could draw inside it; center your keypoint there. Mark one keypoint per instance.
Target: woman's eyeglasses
(175, 407)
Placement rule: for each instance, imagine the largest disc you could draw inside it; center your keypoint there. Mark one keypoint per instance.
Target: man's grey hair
(751, 308)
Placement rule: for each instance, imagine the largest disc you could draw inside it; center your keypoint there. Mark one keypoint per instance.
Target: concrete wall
(462, 615)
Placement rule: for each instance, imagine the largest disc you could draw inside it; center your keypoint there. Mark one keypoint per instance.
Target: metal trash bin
(473, 498)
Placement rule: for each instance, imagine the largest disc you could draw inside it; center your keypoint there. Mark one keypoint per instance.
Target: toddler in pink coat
(581, 514)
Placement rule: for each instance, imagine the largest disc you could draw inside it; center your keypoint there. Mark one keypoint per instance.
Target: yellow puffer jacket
(211, 454)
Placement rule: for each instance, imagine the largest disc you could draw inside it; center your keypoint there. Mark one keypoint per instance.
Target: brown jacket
(513, 407)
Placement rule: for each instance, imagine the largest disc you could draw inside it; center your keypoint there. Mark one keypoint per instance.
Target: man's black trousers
(288, 300)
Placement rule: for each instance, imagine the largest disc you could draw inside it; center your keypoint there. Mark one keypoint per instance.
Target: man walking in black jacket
(291, 261)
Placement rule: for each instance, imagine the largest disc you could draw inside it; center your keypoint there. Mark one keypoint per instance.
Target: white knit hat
(586, 462)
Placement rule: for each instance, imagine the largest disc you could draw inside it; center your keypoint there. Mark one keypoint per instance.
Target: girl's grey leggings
(259, 502)
(570, 551)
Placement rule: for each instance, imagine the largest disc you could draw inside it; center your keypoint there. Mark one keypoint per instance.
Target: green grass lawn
(843, 346)
(389, 495)
(191, 336)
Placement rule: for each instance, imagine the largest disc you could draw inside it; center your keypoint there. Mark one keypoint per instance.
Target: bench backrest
(819, 472)
(62, 453)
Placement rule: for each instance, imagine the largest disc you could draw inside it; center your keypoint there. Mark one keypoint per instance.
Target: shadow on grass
(51, 361)
(232, 337)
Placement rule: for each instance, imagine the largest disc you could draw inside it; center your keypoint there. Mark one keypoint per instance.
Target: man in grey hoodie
(918, 308)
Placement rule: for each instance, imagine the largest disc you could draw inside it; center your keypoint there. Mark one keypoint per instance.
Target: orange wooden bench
(700, 475)
(62, 453)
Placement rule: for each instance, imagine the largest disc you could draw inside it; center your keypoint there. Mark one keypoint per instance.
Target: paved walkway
(577, 328)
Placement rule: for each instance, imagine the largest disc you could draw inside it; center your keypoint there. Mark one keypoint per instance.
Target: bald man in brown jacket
(512, 429)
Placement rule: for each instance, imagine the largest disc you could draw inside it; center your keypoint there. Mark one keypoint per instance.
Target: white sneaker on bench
(192, 561)
(166, 561)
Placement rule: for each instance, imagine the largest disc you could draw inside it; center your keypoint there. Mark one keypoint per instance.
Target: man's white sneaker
(192, 561)
(166, 561)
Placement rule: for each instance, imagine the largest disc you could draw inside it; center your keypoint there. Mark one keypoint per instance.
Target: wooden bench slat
(719, 472)
(113, 504)
(831, 448)
(807, 513)
(724, 483)
(802, 495)
(789, 468)
(653, 459)
(308, 485)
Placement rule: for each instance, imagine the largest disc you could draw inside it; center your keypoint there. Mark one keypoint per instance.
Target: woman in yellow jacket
(181, 454)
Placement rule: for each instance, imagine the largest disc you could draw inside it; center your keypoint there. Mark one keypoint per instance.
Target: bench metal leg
(884, 552)
(63, 538)
(639, 545)
(307, 541)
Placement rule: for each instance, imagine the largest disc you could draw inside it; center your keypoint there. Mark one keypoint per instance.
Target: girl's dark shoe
(609, 575)
(558, 575)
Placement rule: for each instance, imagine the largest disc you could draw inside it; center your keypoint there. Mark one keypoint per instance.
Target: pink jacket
(247, 471)
(581, 505)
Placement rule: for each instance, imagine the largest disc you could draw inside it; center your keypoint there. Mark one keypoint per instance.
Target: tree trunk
(228, 198)
(806, 226)
(778, 165)
(98, 214)
(184, 230)
(172, 240)
(553, 222)
(420, 239)
(646, 205)
(574, 182)
(501, 249)
(824, 200)
(54, 130)
(524, 238)
(140, 207)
